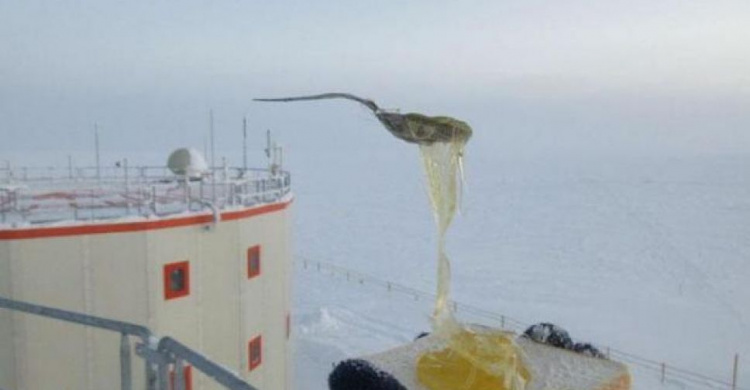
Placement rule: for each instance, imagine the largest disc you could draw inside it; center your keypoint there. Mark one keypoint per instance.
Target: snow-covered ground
(647, 255)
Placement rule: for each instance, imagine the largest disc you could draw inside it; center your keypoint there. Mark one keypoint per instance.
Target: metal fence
(159, 356)
(52, 195)
(667, 372)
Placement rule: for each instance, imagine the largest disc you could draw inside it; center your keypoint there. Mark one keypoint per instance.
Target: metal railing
(50, 195)
(158, 357)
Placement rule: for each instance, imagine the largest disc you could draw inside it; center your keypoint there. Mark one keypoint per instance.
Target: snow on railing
(667, 372)
(52, 195)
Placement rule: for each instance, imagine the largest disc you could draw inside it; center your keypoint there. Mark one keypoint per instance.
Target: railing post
(734, 370)
(153, 199)
(179, 375)
(126, 379)
(163, 374)
(127, 185)
(150, 376)
(186, 188)
(70, 167)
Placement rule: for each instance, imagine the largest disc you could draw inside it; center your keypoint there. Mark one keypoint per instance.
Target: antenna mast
(96, 147)
(268, 147)
(213, 154)
(244, 144)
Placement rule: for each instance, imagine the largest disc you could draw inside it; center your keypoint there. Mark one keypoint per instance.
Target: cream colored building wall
(118, 291)
(120, 276)
(269, 293)
(47, 352)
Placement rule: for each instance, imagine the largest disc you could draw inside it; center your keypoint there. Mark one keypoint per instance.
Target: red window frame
(169, 270)
(187, 372)
(254, 353)
(253, 256)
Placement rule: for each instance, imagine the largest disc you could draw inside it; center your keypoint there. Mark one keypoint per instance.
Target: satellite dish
(187, 162)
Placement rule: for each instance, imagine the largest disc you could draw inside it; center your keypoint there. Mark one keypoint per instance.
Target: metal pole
(70, 167)
(244, 145)
(126, 380)
(127, 186)
(734, 371)
(163, 376)
(268, 147)
(96, 146)
(663, 372)
(213, 156)
(150, 376)
(179, 375)
(186, 182)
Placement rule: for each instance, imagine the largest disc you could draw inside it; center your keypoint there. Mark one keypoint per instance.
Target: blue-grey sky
(666, 76)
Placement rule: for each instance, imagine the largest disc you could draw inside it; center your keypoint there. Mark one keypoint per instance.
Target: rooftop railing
(32, 196)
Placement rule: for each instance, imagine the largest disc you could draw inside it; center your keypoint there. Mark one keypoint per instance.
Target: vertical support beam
(163, 375)
(127, 185)
(186, 188)
(126, 378)
(150, 376)
(244, 146)
(70, 167)
(153, 199)
(734, 370)
(179, 375)
(213, 157)
(663, 372)
(96, 146)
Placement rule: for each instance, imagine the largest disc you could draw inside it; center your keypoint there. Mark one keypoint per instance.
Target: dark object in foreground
(549, 334)
(556, 336)
(358, 374)
(588, 350)
(421, 335)
(410, 127)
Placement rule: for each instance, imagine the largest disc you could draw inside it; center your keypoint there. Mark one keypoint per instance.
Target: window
(253, 261)
(254, 352)
(187, 372)
(176, 280)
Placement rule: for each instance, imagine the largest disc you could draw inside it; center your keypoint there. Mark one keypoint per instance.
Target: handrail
(218, 373)
(144, 192)
(160, 355)
(77, 318)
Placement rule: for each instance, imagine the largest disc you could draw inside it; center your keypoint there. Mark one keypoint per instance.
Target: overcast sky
(665, 76)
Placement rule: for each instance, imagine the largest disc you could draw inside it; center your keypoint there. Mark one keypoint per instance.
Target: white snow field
(648, 256)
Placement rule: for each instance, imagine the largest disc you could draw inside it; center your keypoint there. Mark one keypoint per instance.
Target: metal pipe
(126, 379)
(734, 370)
(163, 375)
(83, 319)
(220, 374)
(150, 376)
(179, 375)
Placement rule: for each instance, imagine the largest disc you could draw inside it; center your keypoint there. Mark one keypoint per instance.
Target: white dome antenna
(187, 162)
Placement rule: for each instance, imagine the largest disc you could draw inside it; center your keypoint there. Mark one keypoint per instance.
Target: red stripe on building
(163, 223)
